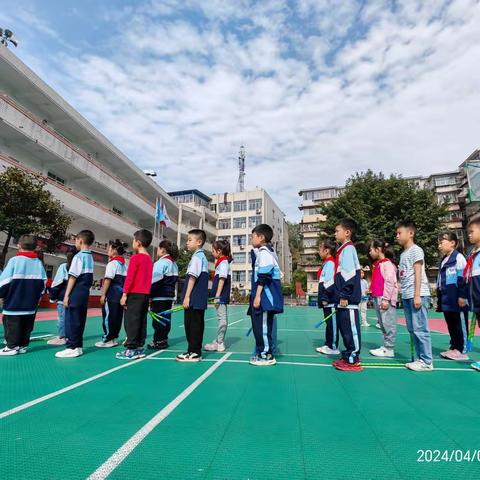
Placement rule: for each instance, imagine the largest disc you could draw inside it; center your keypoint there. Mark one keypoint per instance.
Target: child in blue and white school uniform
(162, 295)
(21, 286)
(221, 288)
(56, 293)
(195, 296)
(80, 279)
(327, 250)
(267, 298)
(472, 275)
(112, 291)
(452, 295)
(347, 296)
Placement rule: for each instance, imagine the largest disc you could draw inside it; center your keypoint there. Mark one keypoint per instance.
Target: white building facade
(99, 187)
(238, 213)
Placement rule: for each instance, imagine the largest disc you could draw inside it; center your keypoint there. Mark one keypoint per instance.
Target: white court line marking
(365, 362)
(73, 386)
(38, 337)
(233, 323)
(213, 318)
(307, 364)
(121, 454)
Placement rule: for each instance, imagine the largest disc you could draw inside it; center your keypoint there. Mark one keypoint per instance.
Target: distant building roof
(193, 191)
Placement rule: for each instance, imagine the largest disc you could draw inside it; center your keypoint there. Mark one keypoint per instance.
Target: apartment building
(238, 213)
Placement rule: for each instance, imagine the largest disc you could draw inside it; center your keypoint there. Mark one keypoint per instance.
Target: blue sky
(315, 90)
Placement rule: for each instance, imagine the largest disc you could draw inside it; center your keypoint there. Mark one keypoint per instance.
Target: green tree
(182, 261)
(27, 207)
(299, 276)
(378, 203)
(295, 243)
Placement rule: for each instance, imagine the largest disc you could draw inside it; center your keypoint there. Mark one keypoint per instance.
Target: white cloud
(315, 91)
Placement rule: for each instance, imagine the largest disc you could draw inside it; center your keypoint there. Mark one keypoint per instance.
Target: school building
(100, 188)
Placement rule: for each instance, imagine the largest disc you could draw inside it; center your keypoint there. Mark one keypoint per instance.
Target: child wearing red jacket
(136, 296)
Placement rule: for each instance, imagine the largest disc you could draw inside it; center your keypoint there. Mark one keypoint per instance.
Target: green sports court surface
(99, 417)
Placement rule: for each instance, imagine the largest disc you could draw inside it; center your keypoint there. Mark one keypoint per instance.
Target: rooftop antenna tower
(241, 170)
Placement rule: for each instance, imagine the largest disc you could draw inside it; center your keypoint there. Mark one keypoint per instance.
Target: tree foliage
(27, 207)
(294, 242)
(378, 203)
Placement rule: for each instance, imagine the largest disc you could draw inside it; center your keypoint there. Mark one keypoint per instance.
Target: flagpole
(154, 228)
(161, 225)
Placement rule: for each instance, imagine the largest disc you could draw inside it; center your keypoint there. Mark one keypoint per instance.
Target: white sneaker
(266, 361)
(377, 325)
(211, 347)
(382, 352)
(8, 352)
(419, 366)
(188, 357)
(109, 344)
(326, 350)
(22, 350)
(57, 341)
(220, 347)
(365, 324)
(69, 353)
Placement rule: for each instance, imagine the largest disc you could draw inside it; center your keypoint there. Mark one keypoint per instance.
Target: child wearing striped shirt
(415, 296)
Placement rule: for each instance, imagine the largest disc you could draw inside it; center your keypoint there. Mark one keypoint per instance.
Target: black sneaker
(158, 345)
(189, 357)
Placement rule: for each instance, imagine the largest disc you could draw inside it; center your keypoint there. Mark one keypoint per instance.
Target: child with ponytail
(384, 289)
(164, 284)
(112, 290)
(221, 291)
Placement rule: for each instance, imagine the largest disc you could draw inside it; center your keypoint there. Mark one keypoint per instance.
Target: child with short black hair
(221, 287)
(195, 296)
(112, 290)
(136, 296)
(415, 296)
(452, 295)
(164, 285)
(21, 286)
(268, 298)
(327, 249)
(347, 295)
(472, 275)
(80, 279)
(56, 293)
(384, 289)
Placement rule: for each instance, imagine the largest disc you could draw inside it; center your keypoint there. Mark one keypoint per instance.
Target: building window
(240, 222)
(225, 207)
(446, 198)
(239, 257)
(255, 204)
(224, 238)
(224, 224)
(240, 240)
(239, 275)
(312, 211)
(254, 221)
(240, 206)
(445, 181)
(309, 242)
(56, 178)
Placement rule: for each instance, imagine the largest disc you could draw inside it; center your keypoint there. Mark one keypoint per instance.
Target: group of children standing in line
(129, 293)
(341, 293)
